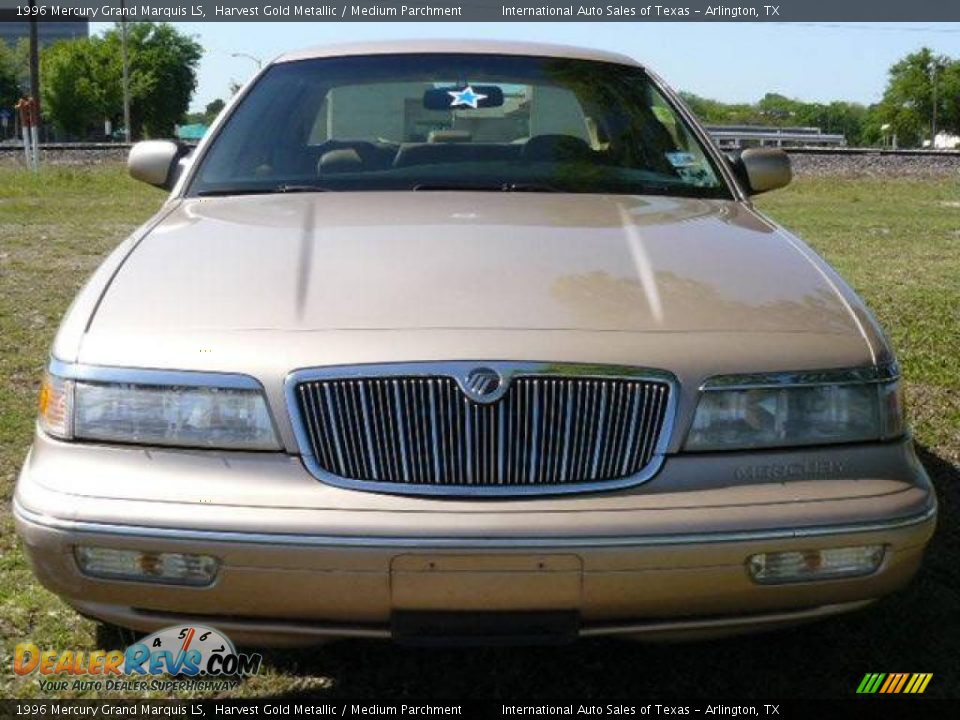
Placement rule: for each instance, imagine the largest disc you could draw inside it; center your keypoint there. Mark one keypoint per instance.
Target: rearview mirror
(156, 162)
(764, 169)
(460, 98)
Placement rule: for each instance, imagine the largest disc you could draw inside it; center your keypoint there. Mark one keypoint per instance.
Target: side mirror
(156, 162)
(763, 169)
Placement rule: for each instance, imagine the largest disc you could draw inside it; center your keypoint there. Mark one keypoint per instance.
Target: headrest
(342, 160)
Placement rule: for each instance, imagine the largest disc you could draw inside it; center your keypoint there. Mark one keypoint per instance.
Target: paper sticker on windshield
(681, 159)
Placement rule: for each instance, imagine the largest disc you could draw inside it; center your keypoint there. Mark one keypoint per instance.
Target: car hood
(469, 261)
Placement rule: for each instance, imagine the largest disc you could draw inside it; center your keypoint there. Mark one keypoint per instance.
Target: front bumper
(345, 563)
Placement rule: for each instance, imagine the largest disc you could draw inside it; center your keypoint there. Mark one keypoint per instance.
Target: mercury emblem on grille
(481, 384)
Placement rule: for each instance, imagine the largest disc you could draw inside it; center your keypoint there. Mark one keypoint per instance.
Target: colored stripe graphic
(921, 682)
(891, 681)
(894, 683)
(903, 680)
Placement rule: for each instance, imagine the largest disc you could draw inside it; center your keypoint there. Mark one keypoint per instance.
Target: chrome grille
(424, 431)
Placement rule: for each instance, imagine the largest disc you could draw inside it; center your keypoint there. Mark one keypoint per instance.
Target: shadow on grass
(915, 630)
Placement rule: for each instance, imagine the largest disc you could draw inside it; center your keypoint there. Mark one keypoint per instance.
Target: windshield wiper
(493, 187)
(303, 187)
(282, 188)
(531, 187)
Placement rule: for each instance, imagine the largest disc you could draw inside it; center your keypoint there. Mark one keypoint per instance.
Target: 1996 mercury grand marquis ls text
(467, 342)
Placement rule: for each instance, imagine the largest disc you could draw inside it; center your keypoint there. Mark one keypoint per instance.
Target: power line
(874, 27)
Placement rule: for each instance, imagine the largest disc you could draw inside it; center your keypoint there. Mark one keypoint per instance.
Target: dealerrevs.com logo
(199, 657)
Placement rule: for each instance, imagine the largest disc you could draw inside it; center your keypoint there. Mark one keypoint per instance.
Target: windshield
(456, 121)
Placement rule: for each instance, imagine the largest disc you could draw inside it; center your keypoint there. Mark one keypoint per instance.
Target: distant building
(731, 137)
(47, 32)
(191, 133)
(944, 141)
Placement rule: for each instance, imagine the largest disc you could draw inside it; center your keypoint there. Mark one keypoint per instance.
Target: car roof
(485, 47)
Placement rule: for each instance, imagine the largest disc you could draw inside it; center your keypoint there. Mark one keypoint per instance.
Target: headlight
(227, 412)
(789, 409)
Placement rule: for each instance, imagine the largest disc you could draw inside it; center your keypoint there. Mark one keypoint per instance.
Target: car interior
(407, 129)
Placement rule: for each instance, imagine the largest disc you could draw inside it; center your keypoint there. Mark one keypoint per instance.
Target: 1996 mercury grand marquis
(469, 342)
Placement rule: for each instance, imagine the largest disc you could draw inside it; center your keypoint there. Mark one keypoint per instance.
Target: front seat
(556, 148)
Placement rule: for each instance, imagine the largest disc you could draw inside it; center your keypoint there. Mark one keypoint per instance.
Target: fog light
(810, 565)
(169, 568)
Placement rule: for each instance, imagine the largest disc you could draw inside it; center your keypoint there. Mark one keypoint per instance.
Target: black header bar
(507, 709)
(484, 10)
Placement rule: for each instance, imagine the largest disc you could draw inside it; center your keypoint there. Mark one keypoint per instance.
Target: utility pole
(126, 71)
(933, 120)
(32, 138)
(34, 56)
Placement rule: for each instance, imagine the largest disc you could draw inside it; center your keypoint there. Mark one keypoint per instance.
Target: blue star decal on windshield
(465, 98)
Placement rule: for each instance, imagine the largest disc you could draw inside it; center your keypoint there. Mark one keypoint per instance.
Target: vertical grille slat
(332, 427)
(544, 431)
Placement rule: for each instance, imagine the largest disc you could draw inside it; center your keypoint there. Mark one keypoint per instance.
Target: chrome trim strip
(300, 628)
(804, 378)
(281, 539)
(228, 624)
(726, 621)
(152, 377)
(458, 370)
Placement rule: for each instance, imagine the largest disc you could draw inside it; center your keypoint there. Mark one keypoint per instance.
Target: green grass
(898, 244)
(896, 241)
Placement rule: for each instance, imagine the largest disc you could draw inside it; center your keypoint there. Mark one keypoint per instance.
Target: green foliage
(82, 80)
(163, 75)
(907, 103)
(214, 108)
(69, 85)
(907, 106)
(9, 80)
(206, 117)
(714, 112)
(776, 110)
(847, 118)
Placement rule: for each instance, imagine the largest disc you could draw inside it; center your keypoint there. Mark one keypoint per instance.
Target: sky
(733, 62)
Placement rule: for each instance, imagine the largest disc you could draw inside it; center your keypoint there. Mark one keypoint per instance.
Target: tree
(716, 112)
(907, 103)
(163, 75)
(845, 118)
(214, 108)
(67, 89)
(206, 117)
(82, 80)
(778, 110)
(9, 77)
